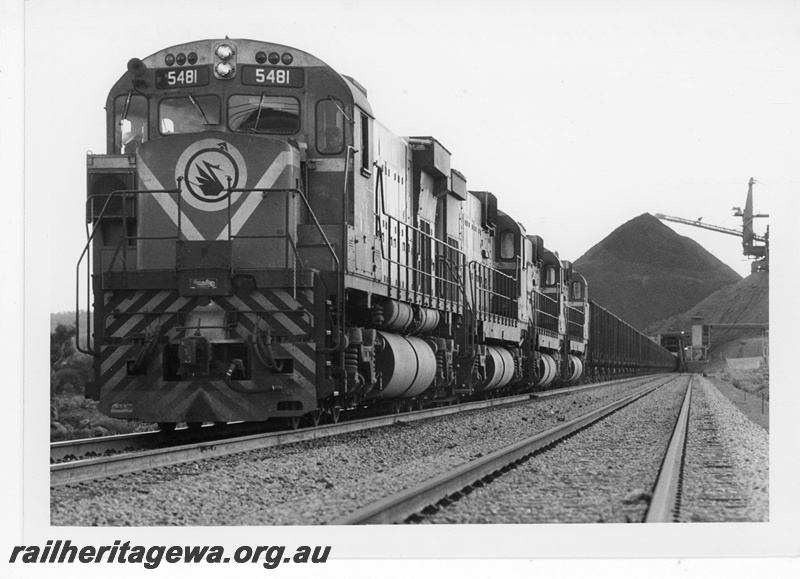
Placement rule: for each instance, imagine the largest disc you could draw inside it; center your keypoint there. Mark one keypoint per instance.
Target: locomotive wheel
(166, 427)
(314, 418)
(333, 415)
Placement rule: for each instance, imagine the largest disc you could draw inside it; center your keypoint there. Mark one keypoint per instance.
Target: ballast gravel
(313, 482)
(604, 473)
(726, 473)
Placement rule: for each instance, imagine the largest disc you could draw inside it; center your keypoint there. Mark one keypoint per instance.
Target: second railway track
(84, 460)
(441, 490)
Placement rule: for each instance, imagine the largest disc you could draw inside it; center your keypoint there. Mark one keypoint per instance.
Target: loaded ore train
(260, 246)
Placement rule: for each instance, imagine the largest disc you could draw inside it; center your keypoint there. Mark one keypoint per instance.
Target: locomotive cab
(576, 305)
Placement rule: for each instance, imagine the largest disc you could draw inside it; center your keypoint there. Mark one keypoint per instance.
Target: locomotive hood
(204, 168)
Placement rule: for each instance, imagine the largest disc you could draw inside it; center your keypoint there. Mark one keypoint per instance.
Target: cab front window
(188, 114)
(264, 114)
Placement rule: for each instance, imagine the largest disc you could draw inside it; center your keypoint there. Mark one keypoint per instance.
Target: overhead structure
(698, 223)
(749, 238)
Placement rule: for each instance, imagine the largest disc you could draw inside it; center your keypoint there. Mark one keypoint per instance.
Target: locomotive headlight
(224, 51)
(224, 70)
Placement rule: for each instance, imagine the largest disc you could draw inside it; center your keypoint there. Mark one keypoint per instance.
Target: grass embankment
(71, 414)
(754, 382)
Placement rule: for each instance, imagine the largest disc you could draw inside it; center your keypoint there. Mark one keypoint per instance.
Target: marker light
(224, 70)
(261, 57)
(274, 57)
(224, 51)
(181, 58)
(287, 58)
(192, 58)
(169, 59)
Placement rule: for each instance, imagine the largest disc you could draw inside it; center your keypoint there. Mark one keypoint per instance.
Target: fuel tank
(407, 365)
(548, 370)
(576, 369)
(499, 368)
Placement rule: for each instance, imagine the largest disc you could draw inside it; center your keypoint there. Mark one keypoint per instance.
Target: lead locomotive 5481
(260, 246)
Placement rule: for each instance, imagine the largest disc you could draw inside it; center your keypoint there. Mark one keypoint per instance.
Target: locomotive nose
(218, 187)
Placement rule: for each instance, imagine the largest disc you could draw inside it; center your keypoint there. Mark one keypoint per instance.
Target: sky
(578, 115)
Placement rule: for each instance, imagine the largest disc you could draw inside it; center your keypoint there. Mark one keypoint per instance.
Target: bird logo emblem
(210, 173)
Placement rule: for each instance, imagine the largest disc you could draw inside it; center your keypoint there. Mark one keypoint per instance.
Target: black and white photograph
(391, 287)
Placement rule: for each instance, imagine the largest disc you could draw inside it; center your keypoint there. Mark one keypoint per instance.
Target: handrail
(415, 234)
(86, 250)
(490, 278)
(125, 193)
(313, 216)
(575, 322)
(469, 339)
(308, 206)
(547, 307)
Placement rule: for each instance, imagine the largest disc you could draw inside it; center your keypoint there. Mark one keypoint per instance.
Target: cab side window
(330, 127)
(577, 294)
(550, 275)
(130, 123)
(366, 151)
(507, 245)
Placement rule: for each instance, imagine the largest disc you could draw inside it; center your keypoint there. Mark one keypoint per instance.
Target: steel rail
(572, 389)
(83, 446)
(400, 506)
(664, 504)
(155, 439)
(78, 471)
(147, 440)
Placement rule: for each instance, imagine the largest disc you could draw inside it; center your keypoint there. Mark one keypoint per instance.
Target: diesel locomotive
(260, 246)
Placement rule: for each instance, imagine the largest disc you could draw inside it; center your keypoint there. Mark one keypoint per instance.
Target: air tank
(427, 322)
(398, 316)
(401, 317)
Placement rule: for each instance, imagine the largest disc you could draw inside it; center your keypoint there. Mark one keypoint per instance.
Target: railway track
(665, 503)
(82, 470)
(79, 461)
(95, 447)
(722, 481)
(405, 505)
